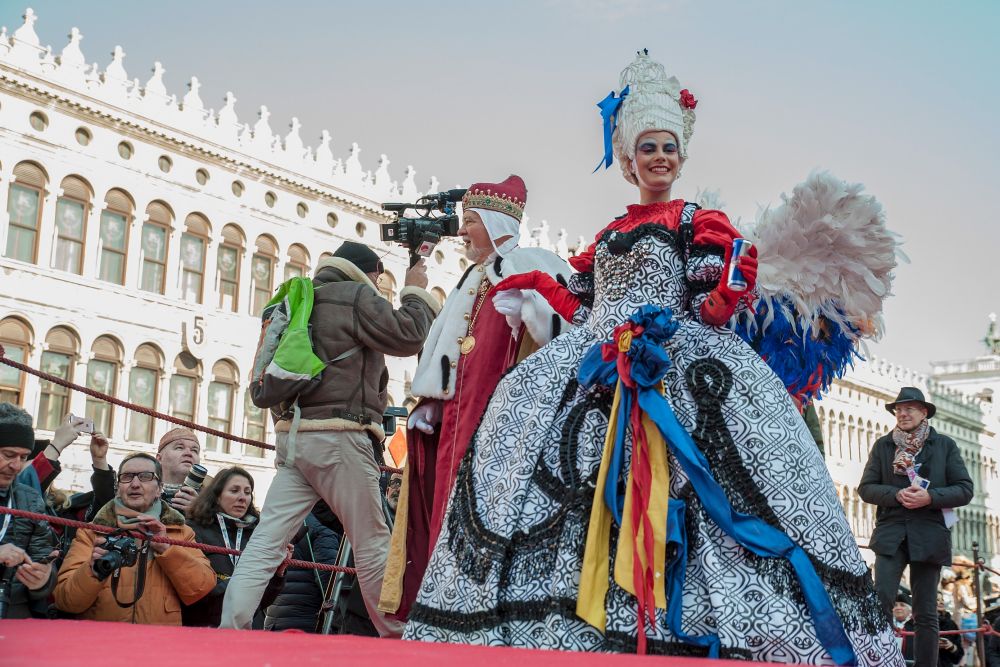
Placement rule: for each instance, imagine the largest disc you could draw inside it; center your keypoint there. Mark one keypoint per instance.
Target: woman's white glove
(508, 303)
(425, 416)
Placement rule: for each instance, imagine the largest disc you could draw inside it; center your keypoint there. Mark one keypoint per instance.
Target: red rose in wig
(687, 99)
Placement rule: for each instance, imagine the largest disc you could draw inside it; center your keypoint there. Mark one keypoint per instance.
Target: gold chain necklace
(469, 341)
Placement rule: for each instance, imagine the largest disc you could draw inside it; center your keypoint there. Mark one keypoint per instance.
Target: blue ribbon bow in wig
(635, 362)
(609, 114)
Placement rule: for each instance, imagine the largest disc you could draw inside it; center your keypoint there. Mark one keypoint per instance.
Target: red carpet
(35, 643)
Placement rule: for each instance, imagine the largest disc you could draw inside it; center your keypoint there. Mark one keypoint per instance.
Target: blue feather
(807, 365)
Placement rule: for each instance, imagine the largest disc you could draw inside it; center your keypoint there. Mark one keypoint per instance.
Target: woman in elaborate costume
(645, 482)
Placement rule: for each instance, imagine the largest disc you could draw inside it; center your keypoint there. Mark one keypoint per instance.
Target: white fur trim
(451, 324)
(427, 297)
(349, 268)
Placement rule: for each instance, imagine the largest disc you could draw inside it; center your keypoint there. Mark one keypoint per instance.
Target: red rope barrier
(210, 548)
(986, 629)
(141, 409)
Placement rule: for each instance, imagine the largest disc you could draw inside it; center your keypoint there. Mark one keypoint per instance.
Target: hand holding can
(734, 278)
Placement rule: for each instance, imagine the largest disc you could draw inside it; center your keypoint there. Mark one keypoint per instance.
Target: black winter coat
(945, 658)
(927, 538)
(207, 612)
(37, 539)
(298, 604)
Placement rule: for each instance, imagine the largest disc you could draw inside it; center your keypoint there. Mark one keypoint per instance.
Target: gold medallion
(468, 343)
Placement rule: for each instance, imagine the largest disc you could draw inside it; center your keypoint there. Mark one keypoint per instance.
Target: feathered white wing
(825, 269)
(827, 251)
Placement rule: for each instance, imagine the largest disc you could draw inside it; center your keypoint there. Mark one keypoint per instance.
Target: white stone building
(141, 234)
(852, 416)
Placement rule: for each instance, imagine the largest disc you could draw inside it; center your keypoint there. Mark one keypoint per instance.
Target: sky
(901, 97)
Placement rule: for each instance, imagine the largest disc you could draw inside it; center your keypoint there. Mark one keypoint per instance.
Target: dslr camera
(122, 552)
(436, 218)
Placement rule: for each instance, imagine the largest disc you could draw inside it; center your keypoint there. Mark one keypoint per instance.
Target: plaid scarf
(908, 445)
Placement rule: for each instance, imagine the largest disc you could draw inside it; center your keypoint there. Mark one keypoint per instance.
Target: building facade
(141, 237)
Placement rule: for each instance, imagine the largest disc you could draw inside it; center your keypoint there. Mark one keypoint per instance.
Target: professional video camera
(122, 552)
(422, 233)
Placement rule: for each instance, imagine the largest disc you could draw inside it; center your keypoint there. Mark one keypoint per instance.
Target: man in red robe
(479, 334)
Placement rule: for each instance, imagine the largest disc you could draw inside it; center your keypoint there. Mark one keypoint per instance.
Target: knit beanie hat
(360, 256)
(179, 433)
(16, 428)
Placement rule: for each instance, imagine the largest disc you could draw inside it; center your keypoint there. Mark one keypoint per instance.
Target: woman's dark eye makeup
(650, 147)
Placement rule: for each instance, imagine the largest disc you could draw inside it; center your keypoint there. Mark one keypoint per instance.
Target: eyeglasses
(127, 477)
(395, 482)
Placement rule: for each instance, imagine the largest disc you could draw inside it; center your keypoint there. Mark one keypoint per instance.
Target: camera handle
(414, 258)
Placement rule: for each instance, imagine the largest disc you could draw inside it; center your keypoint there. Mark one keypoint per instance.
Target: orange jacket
(180, 574)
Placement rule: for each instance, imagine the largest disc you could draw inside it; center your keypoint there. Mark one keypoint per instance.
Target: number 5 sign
(193, 335)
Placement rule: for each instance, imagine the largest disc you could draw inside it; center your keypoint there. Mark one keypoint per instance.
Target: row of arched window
(141, 382)
(197, 284)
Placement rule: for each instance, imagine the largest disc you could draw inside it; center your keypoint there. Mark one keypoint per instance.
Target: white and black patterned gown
(506, 568)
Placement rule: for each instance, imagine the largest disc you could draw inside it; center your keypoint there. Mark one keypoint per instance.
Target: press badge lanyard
(225, 537)
(6, 519)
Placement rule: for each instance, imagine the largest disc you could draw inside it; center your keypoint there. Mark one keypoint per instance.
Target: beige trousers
(340, 468)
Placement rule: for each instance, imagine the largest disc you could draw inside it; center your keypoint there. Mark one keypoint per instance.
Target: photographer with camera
(125, 578)
(179, 454)
(479, 335)
(325, 448)
(26, 553)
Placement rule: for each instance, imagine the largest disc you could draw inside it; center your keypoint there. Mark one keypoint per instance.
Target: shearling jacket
(180, 574)
(927, 538)
(349, 312)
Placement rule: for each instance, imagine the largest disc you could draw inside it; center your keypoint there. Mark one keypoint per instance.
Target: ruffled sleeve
(713, 234)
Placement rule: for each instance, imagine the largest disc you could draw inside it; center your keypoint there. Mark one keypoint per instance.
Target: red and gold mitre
(508, 197)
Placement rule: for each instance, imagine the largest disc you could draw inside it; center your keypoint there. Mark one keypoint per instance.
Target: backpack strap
(342, 356)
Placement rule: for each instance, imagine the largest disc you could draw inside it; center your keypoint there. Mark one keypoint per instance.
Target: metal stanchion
(977, 589)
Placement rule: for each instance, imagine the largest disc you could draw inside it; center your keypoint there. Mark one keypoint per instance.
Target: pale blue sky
(900, 96)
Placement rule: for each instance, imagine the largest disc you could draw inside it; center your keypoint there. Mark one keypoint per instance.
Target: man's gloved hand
(425, 416)
(508, 303)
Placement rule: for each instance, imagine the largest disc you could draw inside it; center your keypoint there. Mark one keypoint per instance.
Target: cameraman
(26, 575)
(172, 574)
(332, 455)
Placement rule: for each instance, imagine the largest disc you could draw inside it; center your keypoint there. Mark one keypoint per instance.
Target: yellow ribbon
(594, 579)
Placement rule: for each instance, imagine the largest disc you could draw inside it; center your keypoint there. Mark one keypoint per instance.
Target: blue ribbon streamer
(676, 573)
(609, 114)
(649, 363)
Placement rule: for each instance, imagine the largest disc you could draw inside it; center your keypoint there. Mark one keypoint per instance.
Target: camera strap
(6, 518)
(140, 578)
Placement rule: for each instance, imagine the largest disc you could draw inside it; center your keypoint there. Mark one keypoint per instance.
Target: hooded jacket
(349, 312)
(179, 575)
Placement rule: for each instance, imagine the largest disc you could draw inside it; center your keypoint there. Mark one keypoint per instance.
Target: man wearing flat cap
(916, 477)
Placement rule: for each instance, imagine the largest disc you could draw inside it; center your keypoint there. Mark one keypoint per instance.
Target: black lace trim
(621, 642)
(505, 612)
(568, 393)
(853, 596)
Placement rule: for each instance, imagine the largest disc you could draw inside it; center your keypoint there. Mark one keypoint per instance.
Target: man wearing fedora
(912, 475)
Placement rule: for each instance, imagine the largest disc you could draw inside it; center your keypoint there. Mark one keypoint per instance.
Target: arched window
(183, 398)
(262, 273)
(255, 425)
(194, 243)
(15, 336)
(229, 260)
(155, 238)
(221, 391)
(387, 287)
(439, 294)
(102, 375)
(116, 219)
(58, 359)
(72, 209)
(143, 389)
(298, 262)
(24, 206)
